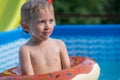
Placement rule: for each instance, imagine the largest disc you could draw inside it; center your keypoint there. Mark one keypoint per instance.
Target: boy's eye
(51, 20)
(42, 21)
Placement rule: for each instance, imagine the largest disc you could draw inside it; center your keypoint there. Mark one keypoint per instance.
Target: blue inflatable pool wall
(99, 42)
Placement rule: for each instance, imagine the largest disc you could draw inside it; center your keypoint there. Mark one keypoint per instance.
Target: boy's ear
(25, 26)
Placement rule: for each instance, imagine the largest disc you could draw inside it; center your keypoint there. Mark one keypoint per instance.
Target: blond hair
(31, 8)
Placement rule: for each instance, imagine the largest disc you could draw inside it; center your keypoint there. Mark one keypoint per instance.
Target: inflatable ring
(10, 14)
(81, 69)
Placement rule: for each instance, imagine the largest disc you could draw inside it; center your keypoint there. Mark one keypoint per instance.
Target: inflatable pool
(81, 69)
(93, 41)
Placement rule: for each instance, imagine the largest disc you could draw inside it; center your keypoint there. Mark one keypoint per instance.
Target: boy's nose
(47, 26)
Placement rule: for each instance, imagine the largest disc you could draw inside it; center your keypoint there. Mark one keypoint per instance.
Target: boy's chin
(44, 39)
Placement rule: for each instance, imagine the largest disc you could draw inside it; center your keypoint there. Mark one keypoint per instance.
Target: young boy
(41, 54)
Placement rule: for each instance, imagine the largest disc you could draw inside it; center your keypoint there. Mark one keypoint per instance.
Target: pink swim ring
(82, 68)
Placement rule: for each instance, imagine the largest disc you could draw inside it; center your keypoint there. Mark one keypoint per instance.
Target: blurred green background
(87, 11)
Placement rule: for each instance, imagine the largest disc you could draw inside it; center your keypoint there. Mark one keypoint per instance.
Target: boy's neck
(37, 42)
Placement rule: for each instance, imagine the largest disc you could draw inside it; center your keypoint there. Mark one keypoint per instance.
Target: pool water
(110, 70)
(105, 50)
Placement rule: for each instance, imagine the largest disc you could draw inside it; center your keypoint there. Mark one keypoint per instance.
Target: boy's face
(41, 26)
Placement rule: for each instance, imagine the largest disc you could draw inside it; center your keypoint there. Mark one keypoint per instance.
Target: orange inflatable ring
(81, 69)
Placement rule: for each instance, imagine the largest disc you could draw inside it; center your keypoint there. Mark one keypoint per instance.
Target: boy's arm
(25, 61)
(64, 55)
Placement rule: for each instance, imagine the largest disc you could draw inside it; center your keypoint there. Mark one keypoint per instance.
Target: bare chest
(48, 56)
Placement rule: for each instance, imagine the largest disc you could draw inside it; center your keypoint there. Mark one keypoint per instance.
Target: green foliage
(84, 7)
(113, 8)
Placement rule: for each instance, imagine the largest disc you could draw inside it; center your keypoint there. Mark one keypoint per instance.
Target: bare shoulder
(59, 42)
(23, 50)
